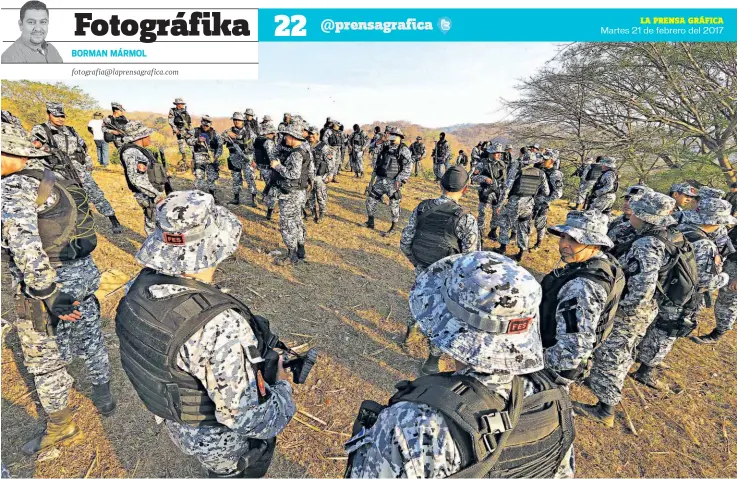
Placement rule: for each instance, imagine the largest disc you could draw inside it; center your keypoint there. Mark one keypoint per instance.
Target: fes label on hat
(519, 325)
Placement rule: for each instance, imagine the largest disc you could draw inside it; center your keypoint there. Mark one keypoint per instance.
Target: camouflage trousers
(517, 214)
(217, 448)
(46, 357)
(439, 170)
(541, 220)
(272, 198)
(584, 190)
(149, 213)
(484, 208)
(384, 186)
(603, 203)
(337, 161)
(615, 356)
(417, 165)
(238, 176)
(183, 146)
(206, 173)
(291, 224)
(725, 308)
(94, 193)
(318, 195)
(357, 161)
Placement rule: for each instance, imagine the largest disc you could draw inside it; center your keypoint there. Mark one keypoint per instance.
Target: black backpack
(678, 279)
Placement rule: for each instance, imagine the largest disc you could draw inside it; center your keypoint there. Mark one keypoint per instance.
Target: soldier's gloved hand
(63, 306)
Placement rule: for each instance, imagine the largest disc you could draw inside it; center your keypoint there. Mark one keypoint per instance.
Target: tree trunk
(726, 165)
(667, 160)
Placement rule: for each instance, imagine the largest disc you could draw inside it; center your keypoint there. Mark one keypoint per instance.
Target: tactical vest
(321, 164)
(441, 150)
(416, 149)
(181, 118)
(358, 140)
(287, 185)
(605, 272)
(212, 144)
(595, 172)
(389, 163)
(260, 153)
(241, 143)
(548, 174)
(118, 123)
(66, 228)
(599, 183)
(155, 170)
(435, 237)
(731, 198)
(152, 331)
(527, 439)
(78, 155)
(528, 182)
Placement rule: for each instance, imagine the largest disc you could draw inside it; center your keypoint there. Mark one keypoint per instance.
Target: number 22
(285, 22)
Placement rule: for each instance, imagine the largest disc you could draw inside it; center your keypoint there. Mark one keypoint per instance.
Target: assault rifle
(167, 186)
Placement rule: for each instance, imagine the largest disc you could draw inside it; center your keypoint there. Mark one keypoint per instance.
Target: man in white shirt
(95, 128)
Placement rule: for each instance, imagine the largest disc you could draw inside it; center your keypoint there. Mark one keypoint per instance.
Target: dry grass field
(350, 301)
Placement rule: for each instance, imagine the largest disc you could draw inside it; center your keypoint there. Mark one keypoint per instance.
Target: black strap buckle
(496, 422)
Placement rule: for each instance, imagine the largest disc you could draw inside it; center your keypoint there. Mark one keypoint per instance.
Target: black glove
(60, 304)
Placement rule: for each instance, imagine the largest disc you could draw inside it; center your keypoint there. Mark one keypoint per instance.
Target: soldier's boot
(290, 259)
(501, 249)
(305, 213)
(413, 335)
(117, 227)
(710, 338)
(519, 255)
(391, 231)
(604, 413)
(236, 199)
(431, 365)
(212, 192)
(103, 399)
(301, 251)
(335, 178)
(254, 201)
(537, 244)
(493, 235)
(370, 223)
(61, 430)
(316, 214)
(269, 212)
(512, 235)
(239, 472)
(644, 375)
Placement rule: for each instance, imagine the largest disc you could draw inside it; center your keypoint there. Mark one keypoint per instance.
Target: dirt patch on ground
(350, 302)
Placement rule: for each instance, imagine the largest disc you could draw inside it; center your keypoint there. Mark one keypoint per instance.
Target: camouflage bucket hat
(548, 154)
(418, 138)
(295, 130)
(55, 109)
(137, 130)
(266, 119)
(16, 141)
(267, 128)
(179, 101)
(482, 309)
(192, 234)
(116, 106)
(685, 189)
(713, 211)
(586, 227)
(654, 208)
(495, 148)
(635, 192)
(249, 111)
(238, 116)
(206, 119)
(609, 162)
(314, 130)
(709, 192)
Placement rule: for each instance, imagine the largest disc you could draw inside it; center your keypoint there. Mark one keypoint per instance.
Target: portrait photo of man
(32, 46)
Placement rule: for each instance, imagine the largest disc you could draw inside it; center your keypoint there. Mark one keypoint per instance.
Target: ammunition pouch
(34, 310)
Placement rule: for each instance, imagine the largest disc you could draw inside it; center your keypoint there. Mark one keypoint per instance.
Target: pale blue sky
(432, 84)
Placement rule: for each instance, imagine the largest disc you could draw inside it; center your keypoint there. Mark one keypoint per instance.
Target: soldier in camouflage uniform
(517, 206)
(662, 334)
(180, 122)
(324, 162)
(576, 310)
(449, 301)
(53, 283)
(137, 161)
(488, 174)
(418, 151)
(334, 138)
(10, 118)
(638, 307)
(205, 141)
(392, 171)
(476, 152)
(604, 192)
(292, 179)
(56, 135)
(685, 196)
(441, 157)
(621, 231)
(357, 141)
(265, 151)
(584, 185)
(233, 432)
(430, 241)
(542, 203)
(239, 140)
(375, 145)
(113, 126)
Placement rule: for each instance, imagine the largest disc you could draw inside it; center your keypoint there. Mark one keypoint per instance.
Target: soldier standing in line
(239, 141)
(334, 139)
(517, 201)
(392, 171)
(476, 152)
(441, 157)
(604, 192)
(48, 234)
(324, 162)
(587, 174)
(375, 145)
(436, 229)
(292, 174)
(542, 203)
(197, 357)
(265, 151)
(144, 173)
(67, 142)
(483, 420)
(113, 126)
(418, 151)
(356, 143)
(643, 263)
(580, 299)
(180, 123)
(620, 230)
(667, 328)
(686, 196)
(489, 176)
(205, 141)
